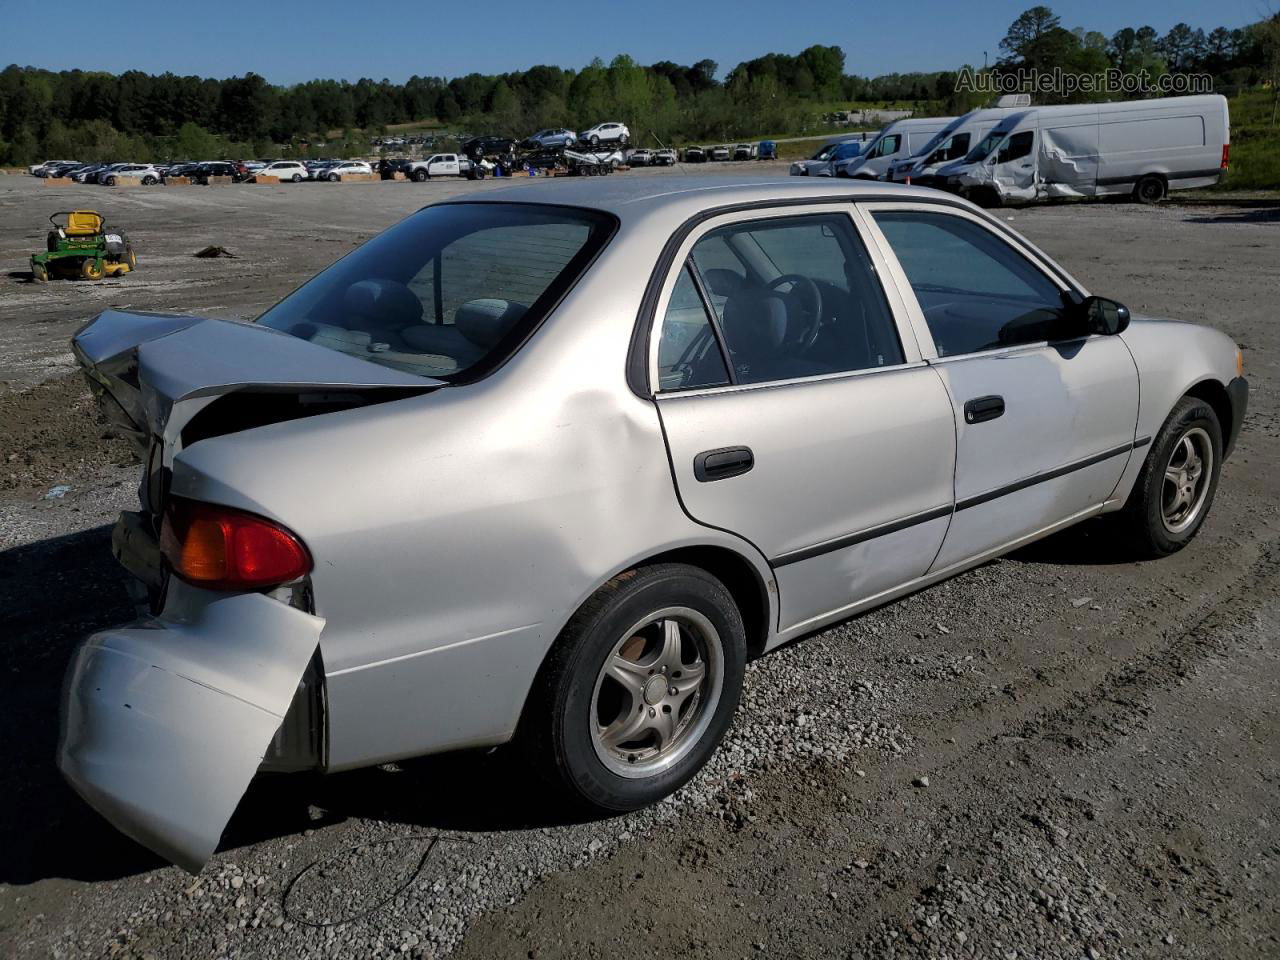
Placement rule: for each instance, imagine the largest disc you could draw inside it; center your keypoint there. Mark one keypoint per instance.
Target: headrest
(754, 326)
(387, 303)
(484, 322)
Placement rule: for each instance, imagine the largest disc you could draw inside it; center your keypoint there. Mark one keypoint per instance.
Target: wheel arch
(1215, 395)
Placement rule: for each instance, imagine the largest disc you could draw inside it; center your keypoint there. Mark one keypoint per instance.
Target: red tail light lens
(1226, 155)
(224, 549)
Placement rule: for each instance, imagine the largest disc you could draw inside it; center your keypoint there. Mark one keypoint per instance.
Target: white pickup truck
(447, 165)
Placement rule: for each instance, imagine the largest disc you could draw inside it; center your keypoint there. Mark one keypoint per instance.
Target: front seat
(755, 328)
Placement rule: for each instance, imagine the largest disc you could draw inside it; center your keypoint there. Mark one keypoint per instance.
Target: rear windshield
(448, 292)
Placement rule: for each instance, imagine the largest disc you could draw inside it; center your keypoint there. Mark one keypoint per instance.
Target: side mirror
(1104, 316)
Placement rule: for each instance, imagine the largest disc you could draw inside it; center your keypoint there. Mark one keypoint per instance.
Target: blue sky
(339, 38)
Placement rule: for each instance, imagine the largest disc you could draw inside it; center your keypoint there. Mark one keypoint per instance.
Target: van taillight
(220, 548)
(1226, 155)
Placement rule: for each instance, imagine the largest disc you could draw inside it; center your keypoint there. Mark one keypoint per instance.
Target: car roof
(680, 197)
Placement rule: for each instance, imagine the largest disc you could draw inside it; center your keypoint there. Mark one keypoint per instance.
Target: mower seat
(83, 223)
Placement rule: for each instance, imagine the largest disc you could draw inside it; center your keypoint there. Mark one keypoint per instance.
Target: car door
(807, 424)
(1014, 172)
(1045, 418)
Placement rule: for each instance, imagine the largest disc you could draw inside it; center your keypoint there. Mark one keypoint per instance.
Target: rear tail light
(220, 548)
(1226, 155)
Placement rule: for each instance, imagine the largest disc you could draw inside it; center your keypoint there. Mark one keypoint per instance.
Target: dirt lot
(1061, 754)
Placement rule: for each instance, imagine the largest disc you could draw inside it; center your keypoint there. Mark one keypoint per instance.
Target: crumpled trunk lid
(154, 372)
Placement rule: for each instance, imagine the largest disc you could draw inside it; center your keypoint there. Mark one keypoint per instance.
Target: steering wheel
(802, 288)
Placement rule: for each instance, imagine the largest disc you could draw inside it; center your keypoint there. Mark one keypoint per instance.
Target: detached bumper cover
(1238, 392)
(165, 721)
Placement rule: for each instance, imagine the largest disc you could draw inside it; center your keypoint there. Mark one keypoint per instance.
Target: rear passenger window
(790, 297)
(975, 290)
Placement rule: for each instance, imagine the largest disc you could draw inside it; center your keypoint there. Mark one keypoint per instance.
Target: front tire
(1175, 489)
(91, 269)
(419, 176)
(148, 181)
(639, 689)
(297, 178)
(1149, 190)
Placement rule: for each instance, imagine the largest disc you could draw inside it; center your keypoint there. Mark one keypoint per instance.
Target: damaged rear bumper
(166, 720)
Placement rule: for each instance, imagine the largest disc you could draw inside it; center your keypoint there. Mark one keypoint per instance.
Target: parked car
(720, 152)
(640, 158)
(745, 151)
(665, 157)
(448, 165)
(551, 139)
(606, 133)
(216, 168)
(388, 167)
(477, 148)
(89, 172)
(767, 150)
(316, 168)
(42, 169)
(291, 170)
(1141, 148)
(345, 570)
(695, 155)
(144, 172)
(894, 142)
(186, 169)
(829, 156)
(65, 169)
(345, 168)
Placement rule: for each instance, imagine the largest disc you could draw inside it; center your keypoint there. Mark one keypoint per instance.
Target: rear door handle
(983, 408)
(722, 463)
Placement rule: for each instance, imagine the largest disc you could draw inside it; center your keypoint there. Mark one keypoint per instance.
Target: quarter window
(976, 291)
(688, 354)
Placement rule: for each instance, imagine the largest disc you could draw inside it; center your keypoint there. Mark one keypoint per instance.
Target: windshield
(448, 292)
(984, 148)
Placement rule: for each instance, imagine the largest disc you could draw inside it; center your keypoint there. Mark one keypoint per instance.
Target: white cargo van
(897, 140)
(952, 142)
(1143, 147)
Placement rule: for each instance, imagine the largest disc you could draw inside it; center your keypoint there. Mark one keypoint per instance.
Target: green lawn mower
(80, 246)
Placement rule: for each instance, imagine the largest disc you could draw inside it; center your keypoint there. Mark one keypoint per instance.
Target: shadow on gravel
(477, 791)
(1093, 543)
(52, 593)
(1262, 215)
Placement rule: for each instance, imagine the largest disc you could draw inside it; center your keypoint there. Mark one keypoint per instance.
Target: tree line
(92, 115)
(1235, 59)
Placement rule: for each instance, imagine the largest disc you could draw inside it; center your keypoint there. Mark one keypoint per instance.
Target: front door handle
(722, 463)
(983, 408)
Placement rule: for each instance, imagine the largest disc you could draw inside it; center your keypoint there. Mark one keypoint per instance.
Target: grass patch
(1255, 143)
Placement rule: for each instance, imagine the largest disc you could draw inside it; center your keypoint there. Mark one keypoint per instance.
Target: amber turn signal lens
(224, 549)
(1239, 363)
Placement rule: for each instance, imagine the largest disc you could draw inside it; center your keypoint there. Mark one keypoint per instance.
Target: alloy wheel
(1186, 480)
(656, 692)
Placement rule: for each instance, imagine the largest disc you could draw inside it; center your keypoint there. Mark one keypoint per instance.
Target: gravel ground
(1061, 754)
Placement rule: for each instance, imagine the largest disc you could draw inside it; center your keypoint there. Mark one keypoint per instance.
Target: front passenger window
(975, 290)
(1019, 146)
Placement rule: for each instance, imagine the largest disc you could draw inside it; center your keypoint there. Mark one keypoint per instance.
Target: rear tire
(1173, 493)
(1150, 190)
(639, 689)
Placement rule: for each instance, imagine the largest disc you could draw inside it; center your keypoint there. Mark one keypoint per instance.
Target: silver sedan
(551, 466)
